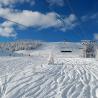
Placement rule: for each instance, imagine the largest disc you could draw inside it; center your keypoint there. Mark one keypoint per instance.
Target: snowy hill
(32, 76)
(55, 48)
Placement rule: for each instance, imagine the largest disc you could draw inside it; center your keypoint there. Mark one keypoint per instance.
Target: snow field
(67, 78)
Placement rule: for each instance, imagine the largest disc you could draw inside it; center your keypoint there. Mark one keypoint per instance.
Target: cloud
(7, 30)
(39, 20)
(30, 18)
(11, 2)
(89, 17)
(36, 19)
(7, 2)
(32, 2)
(56, 2)
(71, 21)
(96, 36)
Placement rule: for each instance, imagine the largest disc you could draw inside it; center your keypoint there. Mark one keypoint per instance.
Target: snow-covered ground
(32, 76)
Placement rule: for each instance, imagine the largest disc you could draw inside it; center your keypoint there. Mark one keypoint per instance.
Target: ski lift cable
(13, 22)
(78, 18)
(72, 10)
(59, 17)
(62, 20)
(17, 23)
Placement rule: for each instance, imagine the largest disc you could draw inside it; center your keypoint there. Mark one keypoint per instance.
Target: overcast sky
(49, 20)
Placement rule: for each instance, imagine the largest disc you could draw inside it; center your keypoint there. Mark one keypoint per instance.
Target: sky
(48, 20)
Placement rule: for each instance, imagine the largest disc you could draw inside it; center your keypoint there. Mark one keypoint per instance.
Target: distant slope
(55, 48)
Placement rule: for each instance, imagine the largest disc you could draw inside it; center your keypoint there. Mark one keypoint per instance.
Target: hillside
(47, 72)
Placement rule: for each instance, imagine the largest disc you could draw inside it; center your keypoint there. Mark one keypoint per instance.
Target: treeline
(20, 45)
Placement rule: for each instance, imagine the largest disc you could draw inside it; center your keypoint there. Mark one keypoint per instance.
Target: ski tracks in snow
(74, 78)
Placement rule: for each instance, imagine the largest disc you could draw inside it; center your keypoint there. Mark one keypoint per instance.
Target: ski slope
(32, 76)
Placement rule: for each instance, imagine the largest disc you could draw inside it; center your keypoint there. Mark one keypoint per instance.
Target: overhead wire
(78, 18)
(58, 17)
(17, 23)
(14, 22)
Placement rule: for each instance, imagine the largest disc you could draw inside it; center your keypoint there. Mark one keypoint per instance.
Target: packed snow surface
(32, 76)
(74, 78)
